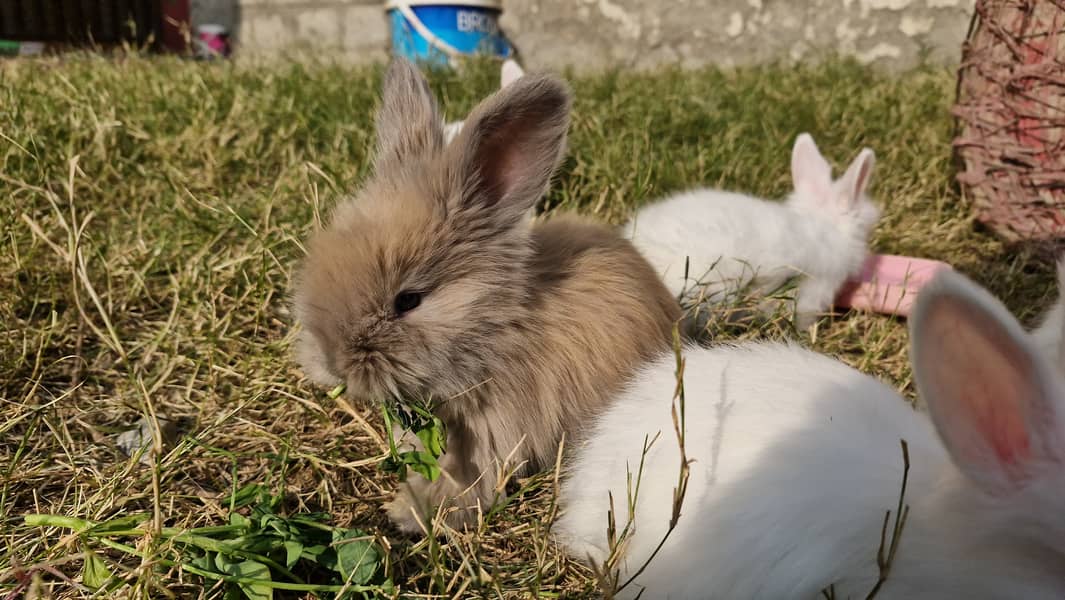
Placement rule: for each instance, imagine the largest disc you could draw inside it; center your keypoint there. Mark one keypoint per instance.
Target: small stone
(132, 441)
(877, 52)
(735, 25)
(912, 26)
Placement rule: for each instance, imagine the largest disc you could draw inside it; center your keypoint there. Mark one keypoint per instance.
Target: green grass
(151, 214)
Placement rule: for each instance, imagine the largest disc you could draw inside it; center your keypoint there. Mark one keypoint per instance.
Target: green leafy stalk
(416, 418)
(255, 554)
(427, 427)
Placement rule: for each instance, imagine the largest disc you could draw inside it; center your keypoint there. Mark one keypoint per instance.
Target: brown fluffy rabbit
(430, 283)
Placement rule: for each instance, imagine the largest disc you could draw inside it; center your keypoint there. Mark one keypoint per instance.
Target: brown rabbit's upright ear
(509, 148)
(408, 123)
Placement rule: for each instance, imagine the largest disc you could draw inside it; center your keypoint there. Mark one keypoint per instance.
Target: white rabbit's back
(795, 459)
(728, 232)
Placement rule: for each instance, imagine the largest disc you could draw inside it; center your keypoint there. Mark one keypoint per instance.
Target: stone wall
(593, 34)
(643, 33)
(355, 30)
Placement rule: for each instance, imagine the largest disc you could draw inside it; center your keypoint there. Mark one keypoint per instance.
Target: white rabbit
(1051, 330)
(796, 460)
(510, 72)
(731, 240)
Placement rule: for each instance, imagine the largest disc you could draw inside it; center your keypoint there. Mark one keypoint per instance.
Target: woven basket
(1011, 118)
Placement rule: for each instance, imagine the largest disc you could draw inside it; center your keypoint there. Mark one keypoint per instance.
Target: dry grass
(152, 211)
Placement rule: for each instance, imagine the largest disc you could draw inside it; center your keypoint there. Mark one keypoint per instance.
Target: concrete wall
(592, 34)
(355, 30)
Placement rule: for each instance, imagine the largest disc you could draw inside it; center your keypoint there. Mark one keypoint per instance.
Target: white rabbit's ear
(510, 72)
(856, 179)
(451, 130)
(810, 172)
(993, 399)
(1061, 278)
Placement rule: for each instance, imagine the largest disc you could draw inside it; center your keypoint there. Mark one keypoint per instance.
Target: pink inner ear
(1000, 426)
(507, 156)
(508, 170)
(863, 176)
(984, 385)
(822, 191)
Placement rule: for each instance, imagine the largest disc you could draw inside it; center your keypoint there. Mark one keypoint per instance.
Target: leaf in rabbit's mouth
(416, 418)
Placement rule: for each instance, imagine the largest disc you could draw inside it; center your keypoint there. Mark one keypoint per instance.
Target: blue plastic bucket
(438, 31)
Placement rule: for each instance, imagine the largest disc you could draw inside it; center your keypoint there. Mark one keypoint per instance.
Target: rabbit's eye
(406, 302)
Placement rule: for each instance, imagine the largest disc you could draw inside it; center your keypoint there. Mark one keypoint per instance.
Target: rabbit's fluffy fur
(522, 332)
(728, 240)
(796, 459)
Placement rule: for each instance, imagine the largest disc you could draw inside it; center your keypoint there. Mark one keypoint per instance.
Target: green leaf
(78, 525)
(313, 552)
(204, 561)
(433, 440)
(95, 572)
(120, 524)
(357, 560)
(293, 550)
(311, 518)
(420, 420)
(239, 519)
(251, 493)
(274, 522)
(251, 570)
(258, 544)
(428, 471)
(393, 464)
(423, 464)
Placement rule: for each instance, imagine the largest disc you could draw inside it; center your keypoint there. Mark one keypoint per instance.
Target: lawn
(152, 214)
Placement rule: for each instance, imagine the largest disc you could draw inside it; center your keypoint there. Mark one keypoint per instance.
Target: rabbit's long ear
(503, 159)
(856, 179)
(408, 122)
(810, 172)
(995, 402)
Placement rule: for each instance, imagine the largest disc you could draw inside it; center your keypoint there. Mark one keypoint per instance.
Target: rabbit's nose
(361, 347)
(370, 325)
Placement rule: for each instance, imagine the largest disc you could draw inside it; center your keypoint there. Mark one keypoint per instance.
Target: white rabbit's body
(757, 467)
(729, 240)
(1048, 335)
(795, 461)
(452, 129)
(1050, 332)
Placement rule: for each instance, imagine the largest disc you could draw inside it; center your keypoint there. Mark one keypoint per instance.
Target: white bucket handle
(408, 14)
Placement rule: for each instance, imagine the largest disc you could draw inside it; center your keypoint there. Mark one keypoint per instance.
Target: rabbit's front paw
(404, 515)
